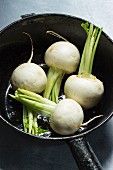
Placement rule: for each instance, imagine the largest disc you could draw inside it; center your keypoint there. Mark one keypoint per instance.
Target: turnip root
(67, 117)
(29, 76)
(85, 88)
(62, 58)
(63, 55)
(87, 92)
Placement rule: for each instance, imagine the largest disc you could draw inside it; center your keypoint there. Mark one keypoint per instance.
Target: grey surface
(19, 153)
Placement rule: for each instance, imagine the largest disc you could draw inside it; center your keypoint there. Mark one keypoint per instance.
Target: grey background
(19, 153)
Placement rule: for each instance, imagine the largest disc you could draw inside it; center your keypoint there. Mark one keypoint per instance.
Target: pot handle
(84, 155)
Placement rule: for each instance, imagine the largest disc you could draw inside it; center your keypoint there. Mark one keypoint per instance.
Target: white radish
(87, 92)
(62, 58)
(63, 55)
(67, 117)
(29, 76)
(85, 88)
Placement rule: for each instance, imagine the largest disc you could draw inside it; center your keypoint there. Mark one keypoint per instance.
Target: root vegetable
(87, 92)
(66, 117)
(63, 55)
(85, 88)
(29, 76)
(62, 58)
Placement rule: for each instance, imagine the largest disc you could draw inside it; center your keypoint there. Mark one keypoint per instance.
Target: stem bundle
(93, 35)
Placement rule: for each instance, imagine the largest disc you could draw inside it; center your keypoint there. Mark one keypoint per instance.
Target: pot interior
(15, 49)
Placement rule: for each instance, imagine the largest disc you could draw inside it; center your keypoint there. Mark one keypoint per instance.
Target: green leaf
(85, 26)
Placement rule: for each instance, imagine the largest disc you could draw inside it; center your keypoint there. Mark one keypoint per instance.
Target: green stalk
(87, 63)
(30, 122)
(94, 49)
(85, 68)
(56, 89)
(30, 119)
(86, 53)
(35, 124)
(52, 76)
(25, 119)
(33, 96)
(88, 48)
(44, 109)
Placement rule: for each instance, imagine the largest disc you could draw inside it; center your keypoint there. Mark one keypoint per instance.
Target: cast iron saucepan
(15, 49)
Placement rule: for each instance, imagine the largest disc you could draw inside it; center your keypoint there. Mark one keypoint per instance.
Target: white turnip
(67, 118)
(85, 88)
(62, 58)
(29, 76)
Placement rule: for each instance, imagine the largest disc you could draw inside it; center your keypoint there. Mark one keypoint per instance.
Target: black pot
(15, 49)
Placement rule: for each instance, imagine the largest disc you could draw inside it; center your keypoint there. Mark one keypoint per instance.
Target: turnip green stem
(35, 124)
(30, 119)
(42, 108)
(25, 118)
(56, 89)
(93, 36)
(54, 78)
(94, 49)
(33, 96)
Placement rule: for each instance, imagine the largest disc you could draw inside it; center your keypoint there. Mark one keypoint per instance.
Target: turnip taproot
(62, 58)
(85, 88)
